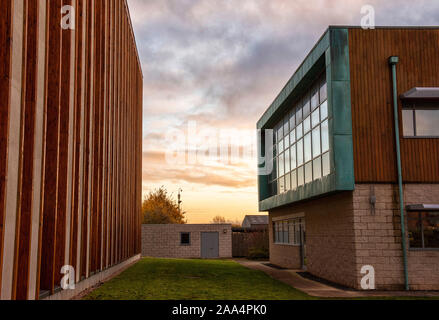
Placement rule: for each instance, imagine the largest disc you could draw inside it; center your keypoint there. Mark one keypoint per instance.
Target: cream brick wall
(344, 233)
(163, 241)
(378, 236)
(329, 238)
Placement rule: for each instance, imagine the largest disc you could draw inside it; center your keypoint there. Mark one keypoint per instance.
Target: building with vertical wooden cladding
(70, 147)
(362, 102)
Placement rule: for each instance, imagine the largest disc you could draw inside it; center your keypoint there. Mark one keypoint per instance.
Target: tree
(219, 220)
(159, 208)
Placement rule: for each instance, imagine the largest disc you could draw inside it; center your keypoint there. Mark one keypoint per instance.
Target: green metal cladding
(330, 53)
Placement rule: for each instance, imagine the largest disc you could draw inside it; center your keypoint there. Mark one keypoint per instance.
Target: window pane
(281, 185)
(281, 165)
(291, 231)
(324, 110)
(293, 136)
(307, 147)
(300, 152)
(287, 182)
(299, 131)
(293, 157)
(285, 238)
(408, 123)
(300, 177)
(281, 146)
(414, 228)
(431, 229)
(292, 120)
(427, 123)
(325, 136)
(316, 150)
(287, 161)
(308, 172)
(315, 117)
(306, 108)
(280, 133)
(315, 99)
(294, 180)
(299, 115)
(287, 142)
(317, 168)
(323, 92)
(307, 125)
(326, 164)
(286, 126)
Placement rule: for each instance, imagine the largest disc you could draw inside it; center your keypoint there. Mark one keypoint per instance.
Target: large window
(301, 139)
(421, 120)
(423, 230)
(289, 231)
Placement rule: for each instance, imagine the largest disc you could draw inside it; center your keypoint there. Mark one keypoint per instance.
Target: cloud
(222, 62)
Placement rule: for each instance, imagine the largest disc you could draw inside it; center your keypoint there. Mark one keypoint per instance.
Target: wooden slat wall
(5, 83)
(88, 143)
(372, 105)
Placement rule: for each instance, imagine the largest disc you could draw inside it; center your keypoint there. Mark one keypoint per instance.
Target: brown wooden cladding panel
(92, 140)
(372, 104)
(5, 82)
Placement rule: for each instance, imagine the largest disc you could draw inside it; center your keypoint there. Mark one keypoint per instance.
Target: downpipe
(393, 61)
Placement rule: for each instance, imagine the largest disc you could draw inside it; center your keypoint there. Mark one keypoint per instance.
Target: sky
(211, 68)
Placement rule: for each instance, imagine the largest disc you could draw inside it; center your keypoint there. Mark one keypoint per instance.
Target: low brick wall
(163, 241)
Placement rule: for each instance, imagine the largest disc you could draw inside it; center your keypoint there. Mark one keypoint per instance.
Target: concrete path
(317, 289)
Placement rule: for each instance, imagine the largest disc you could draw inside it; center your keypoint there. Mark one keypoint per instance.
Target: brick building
(187, 240)
(340, 183)
(70, 145)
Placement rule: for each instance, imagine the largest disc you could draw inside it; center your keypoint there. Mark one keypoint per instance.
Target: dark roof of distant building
(255, 219)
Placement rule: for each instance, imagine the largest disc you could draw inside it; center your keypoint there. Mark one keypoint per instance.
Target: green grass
(170, 279)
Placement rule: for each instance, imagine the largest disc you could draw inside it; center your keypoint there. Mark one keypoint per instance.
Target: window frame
(279, 231)
(181, 239)
(413, 106)
(419, 214)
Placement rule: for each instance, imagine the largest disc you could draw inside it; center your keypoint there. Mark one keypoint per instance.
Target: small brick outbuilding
(208, 241)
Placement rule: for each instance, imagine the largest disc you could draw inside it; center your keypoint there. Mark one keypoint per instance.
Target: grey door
(209, 245)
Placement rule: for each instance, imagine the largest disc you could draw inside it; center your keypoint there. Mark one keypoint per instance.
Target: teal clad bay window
(311, 122)
(302, 139)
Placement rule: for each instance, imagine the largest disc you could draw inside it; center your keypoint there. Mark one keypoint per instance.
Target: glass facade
(301, 140)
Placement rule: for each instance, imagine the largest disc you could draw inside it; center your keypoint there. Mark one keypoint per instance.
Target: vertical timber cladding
(5, 82)
(70, 147)
(372, 112)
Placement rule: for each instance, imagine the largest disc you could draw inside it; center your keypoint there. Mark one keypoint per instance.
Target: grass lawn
(170, 279)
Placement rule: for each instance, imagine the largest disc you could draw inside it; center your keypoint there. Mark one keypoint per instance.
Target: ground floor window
(423, 230)
(288, 231)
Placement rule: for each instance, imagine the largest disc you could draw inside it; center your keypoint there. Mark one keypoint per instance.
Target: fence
(244, 240)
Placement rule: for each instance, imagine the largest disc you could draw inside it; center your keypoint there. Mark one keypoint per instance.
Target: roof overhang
(421, 93)
(423, 207)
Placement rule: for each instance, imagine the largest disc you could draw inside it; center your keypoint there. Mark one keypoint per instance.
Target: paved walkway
(317, 289)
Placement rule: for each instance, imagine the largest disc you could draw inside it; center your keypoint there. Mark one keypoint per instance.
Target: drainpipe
(393, 61)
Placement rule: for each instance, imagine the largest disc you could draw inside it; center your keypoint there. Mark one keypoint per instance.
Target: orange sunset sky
(219, 64)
